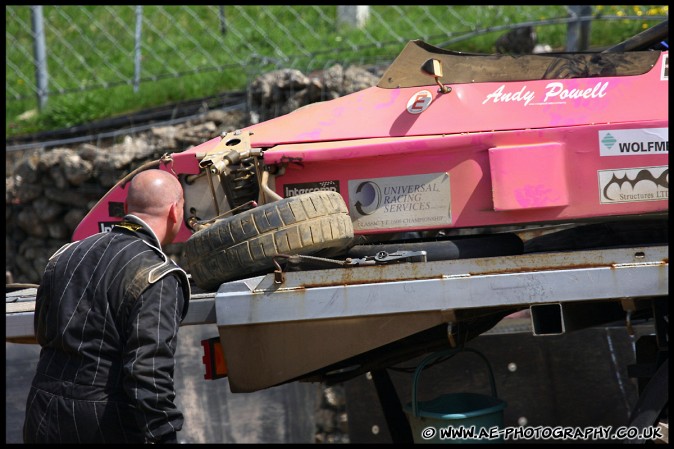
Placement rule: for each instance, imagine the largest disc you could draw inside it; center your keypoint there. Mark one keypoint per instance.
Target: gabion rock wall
(49, 191)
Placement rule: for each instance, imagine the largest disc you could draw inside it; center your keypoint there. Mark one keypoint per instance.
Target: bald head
(156, 197)
(150, 191)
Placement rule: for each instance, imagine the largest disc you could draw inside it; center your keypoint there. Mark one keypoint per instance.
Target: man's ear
(173, 212)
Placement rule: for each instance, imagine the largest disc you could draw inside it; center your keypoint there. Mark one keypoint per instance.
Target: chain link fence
(56, 50)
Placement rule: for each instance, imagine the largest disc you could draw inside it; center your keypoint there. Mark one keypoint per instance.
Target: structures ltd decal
(632, 185)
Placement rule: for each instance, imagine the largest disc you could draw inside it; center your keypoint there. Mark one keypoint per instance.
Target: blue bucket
(434, 421)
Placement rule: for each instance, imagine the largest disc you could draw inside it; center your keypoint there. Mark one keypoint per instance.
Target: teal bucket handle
(451, 353)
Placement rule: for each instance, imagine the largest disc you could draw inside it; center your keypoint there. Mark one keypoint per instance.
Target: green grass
(89, 44)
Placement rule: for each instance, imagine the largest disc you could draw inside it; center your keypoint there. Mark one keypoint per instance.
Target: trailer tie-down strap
(299, 262)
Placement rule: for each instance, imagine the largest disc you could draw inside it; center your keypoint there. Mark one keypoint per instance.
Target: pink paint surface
(515, 152)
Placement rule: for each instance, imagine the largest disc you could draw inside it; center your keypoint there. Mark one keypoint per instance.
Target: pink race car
(446, 145)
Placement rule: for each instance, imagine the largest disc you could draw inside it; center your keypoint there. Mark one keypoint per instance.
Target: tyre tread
(246, 243)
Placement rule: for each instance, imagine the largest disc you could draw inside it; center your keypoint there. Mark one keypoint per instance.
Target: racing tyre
(244, 244)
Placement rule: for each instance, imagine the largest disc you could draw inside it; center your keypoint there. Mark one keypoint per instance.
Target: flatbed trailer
(418, 307)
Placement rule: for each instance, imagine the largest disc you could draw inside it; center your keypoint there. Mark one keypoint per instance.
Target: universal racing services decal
(631, 142)
(400, 202)
(307, 187)
(632, 185)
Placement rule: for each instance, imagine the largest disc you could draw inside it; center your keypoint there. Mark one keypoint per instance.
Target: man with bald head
(107, 315)
(156, 197)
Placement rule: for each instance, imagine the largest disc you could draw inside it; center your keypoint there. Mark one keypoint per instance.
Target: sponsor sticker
(632, 185)
(116, 209)
(307, 187)
(632, 142)
(664, 75)
(400, 202)
(419, 102)
(106, 226)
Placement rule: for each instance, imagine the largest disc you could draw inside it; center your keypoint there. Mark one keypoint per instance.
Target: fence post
(223, 22)
(41, 74)
(355, 16)
(578, 31)
(136, 49)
